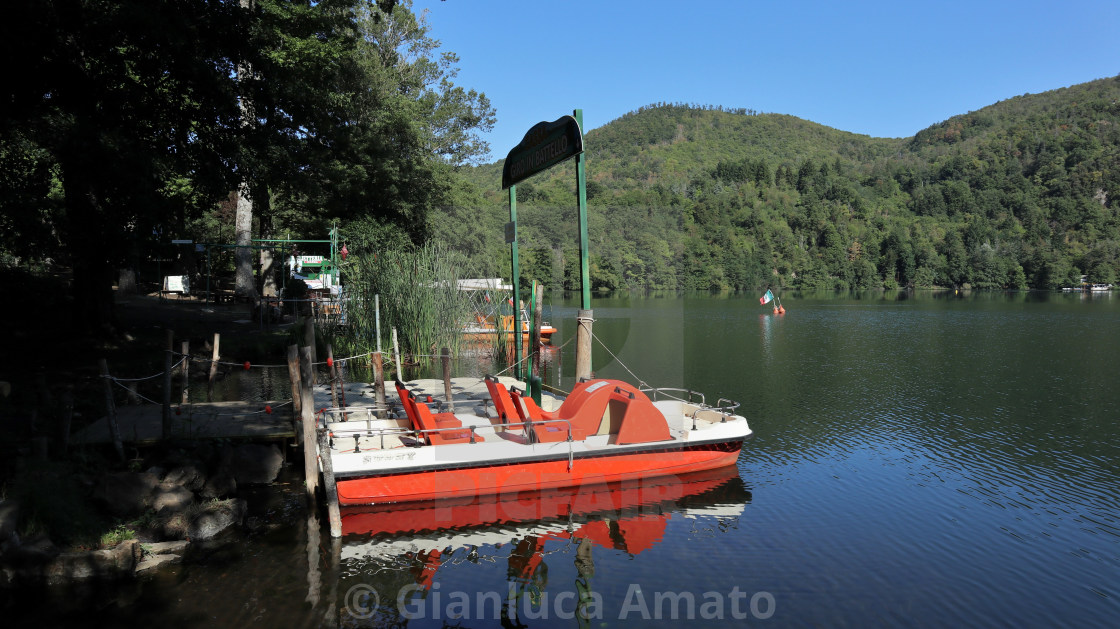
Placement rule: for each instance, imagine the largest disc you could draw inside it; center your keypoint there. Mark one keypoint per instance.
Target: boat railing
(357, 432)
(729, 409)
(658, 391)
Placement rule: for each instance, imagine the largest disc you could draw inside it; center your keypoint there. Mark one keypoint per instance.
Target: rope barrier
(632, 375)
(158, 375)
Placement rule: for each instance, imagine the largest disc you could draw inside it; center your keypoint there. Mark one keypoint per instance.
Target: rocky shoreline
(185, 495)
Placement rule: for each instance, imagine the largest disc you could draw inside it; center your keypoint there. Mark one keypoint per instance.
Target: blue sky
(885, 69)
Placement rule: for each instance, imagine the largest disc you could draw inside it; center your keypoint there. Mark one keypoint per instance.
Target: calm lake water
(918, 460)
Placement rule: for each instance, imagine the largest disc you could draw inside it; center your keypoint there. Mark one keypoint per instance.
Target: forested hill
(1023, 193)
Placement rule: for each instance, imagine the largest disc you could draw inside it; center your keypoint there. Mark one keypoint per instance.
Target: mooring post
(397, 356)
(213, 368)
(167, 384)
(534, 382)
(186, 352)
(110, 408)
(307, 418)
(584, 318)
(309, 341)
(133, 396)
(331, 375)
(445, 360)
(330, 490)
(379, 383)
(297, 395)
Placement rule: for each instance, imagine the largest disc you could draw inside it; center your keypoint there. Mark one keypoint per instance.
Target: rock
(113, 563)
(166, 548)
(161, 553)
(126, 493)
(34, 551)
(220, 485)
(173, 499)
(254, 464)
(9, 518)
(172, 525)
(215, 518)
(150, 562)
(187, 475)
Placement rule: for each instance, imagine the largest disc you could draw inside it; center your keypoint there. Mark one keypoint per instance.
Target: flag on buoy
(767, 298)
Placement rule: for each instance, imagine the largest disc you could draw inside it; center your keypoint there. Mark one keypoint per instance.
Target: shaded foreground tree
(111, 108)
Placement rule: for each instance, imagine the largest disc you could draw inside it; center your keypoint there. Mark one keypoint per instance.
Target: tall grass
(419, 296)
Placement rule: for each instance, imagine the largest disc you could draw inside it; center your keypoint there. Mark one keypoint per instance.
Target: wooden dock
(143, 424)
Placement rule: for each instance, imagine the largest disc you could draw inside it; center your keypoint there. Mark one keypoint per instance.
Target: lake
(919, 459)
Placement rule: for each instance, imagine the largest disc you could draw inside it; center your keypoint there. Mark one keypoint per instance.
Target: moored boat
(604, 431)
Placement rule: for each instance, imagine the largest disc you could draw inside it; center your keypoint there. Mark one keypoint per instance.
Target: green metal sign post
(512, 238)
(545, 145)
(581, 185)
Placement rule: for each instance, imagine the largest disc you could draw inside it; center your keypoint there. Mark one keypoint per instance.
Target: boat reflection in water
(393, 557)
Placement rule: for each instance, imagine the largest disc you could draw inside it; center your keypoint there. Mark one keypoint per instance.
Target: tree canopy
(125, 124)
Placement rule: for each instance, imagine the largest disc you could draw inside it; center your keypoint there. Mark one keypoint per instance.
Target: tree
(116, 100)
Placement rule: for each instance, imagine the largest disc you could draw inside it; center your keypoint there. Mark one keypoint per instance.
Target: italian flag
(767, 298)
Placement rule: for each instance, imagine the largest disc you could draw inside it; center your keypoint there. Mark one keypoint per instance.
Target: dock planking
(142, 424)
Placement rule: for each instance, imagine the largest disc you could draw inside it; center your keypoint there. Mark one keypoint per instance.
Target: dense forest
(1023, 193)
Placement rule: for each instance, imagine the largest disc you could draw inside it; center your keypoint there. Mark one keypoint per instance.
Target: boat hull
(512, 477)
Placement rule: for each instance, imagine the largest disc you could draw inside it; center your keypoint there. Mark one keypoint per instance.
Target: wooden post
(397, 356)
(297, 395)
(111, 408)
(213, 368)
(307, 418)
(167, 384)
(330, 490)
(186, 352)
(341, 386)
(445, 360)
(584, 318)
(309, 341)
(379, 383)
(535, 344)
(330, 375)
(133, 397)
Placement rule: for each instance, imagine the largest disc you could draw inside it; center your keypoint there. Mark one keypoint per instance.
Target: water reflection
(496, 554)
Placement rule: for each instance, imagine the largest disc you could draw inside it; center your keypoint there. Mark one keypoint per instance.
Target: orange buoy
(781, 309)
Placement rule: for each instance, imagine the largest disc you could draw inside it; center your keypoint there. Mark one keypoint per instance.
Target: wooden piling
(213, 368)
(167, 384)
(133, 396)
(584, 318)
(186, 352)
(535, 343)
(330, 490)
(307, 419)
(445, 360)
(297, 394)
(331, 380)
(379, 383)
(309, 341)
(397, 356)
(111, 408)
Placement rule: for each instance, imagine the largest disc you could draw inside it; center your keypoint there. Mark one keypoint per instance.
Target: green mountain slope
(1021, 193)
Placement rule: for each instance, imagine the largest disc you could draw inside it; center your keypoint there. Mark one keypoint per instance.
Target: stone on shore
(215, 518)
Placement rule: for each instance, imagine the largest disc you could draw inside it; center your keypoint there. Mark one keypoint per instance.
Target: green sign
(545, 145)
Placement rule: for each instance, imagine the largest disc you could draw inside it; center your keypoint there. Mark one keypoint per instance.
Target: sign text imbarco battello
(546, 144)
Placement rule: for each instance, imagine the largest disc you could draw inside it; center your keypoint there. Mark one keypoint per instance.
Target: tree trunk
(243, 255)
